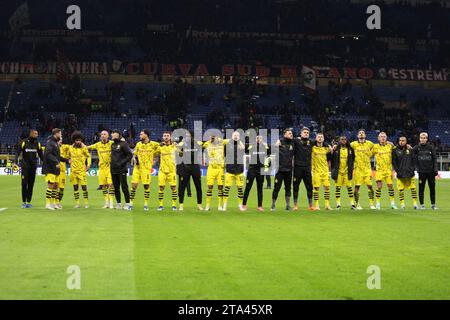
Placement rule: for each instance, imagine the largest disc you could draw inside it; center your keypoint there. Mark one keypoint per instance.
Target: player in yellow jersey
(215, 159)
(320, 155)
(383, 163)
(103, 148)
(167, 170)
(342, 170)
(363, 169)
(61, 178)
(80, 161)
(234, 169)
(144, 153)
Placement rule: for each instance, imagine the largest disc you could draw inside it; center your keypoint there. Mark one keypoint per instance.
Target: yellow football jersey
(79, 157)
(215, 153)
(383, 157)
(167, 158)
(319, 159)
(144, 154)
(64, 152)
(343, 157)
(104, 153)
(363, 154)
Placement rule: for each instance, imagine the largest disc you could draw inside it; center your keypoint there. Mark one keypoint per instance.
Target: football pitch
(221, 255)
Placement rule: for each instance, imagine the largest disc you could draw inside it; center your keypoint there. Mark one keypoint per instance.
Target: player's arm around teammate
(383, 159)
(167, 170)
(320, 157)
(234, 168)
(342, 164)
(190, 158)
(80, 161)
(103, 148)
(363, 168)
(215, 172)
(403, 164)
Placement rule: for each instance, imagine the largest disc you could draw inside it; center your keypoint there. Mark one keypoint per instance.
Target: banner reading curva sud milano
(203, 69)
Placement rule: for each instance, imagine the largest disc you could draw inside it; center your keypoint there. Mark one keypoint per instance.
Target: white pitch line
(3, 209)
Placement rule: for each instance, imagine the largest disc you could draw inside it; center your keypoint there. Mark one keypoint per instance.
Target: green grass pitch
(216, 255)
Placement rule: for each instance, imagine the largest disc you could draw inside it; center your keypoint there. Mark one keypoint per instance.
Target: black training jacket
(285, 155)
(120, 157)
(30, 149)
(258, 152)
(336, 161)
(51, 157)
(425, 158)
(403, 162)
(302, 155)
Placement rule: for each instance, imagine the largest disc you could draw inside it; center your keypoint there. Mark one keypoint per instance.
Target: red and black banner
(204, 69)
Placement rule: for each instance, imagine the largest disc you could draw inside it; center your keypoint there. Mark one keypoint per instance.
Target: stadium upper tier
(98, 105)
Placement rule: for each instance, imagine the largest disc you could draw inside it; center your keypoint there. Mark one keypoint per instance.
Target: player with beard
(363, 167)
(51, 168)
(103, 148)
(403, 163)
(144, 153)
(167, 170)
(284, 173)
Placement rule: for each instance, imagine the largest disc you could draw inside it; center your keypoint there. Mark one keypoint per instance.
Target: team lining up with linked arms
(299, 159)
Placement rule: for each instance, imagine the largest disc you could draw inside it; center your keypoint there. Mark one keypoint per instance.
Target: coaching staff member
(30, 149)
(188, 165)
(426, 166)
(302, 166)
(120, 159)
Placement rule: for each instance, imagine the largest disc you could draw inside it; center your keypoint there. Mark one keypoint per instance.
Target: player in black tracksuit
(30, 150)
(284, 173)
(302, 166)
(189, 160)
(259, 153)
(426, 166)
